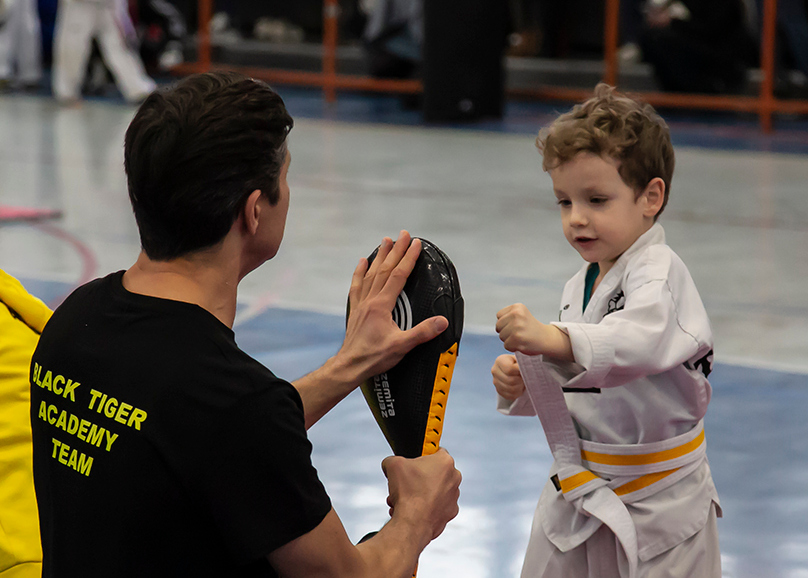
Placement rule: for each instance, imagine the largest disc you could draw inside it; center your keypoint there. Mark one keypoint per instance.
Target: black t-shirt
(161, 448)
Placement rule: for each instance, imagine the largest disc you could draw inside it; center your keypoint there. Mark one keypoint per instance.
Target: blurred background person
(20, 44)
(161, 31)
(631, 25)
(78, 22)
(526, 38)
(394, 38)
(698, 45)
(792, 48)
(155, 29)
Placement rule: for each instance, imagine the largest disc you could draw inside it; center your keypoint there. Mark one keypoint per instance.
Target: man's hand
(423, 492)
(520, 331)
(373, 342)
(423, 498)
(507, 378)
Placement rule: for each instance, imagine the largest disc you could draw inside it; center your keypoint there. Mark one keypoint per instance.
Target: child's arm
(520, 331)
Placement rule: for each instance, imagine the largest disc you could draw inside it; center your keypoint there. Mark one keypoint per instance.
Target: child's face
(600, 215)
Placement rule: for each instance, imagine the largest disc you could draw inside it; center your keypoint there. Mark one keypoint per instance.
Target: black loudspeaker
(464, 47)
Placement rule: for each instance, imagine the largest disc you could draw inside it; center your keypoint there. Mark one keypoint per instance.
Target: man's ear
(252, 211)
(654, 197)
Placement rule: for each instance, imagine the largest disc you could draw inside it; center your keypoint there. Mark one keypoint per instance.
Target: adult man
(162, 449)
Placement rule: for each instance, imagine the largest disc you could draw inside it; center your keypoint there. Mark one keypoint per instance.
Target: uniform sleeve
(662, 325)
(260, 483)
(520, 406)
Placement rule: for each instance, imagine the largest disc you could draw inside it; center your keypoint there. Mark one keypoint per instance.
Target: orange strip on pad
(437, 407)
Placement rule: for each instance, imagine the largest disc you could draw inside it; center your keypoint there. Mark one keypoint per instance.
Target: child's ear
(654, 197)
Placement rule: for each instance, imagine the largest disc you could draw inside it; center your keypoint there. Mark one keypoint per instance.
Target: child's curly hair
(611, 124)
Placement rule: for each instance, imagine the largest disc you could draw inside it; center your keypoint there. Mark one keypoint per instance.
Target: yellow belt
(654, 462)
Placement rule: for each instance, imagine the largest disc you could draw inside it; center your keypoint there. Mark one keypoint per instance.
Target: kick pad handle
(437, 406)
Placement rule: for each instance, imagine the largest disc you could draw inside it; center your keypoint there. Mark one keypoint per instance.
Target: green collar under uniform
(591, 274)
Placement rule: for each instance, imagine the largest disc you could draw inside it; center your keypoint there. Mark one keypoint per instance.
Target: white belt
(637, 470)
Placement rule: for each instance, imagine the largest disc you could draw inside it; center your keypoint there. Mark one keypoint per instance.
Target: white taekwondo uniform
(643, 349)
(77, 23)
(20, 42)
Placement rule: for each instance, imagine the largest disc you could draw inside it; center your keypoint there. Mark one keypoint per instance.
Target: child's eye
(563, 202)
(597, 200)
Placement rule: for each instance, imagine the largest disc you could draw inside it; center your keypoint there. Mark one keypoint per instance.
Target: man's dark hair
(195, 151)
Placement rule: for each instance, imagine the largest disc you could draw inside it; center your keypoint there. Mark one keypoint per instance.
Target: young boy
(620, 381)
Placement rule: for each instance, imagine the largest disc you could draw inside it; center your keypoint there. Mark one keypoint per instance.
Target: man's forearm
(323, 388)
(327, 552)
(394, 551)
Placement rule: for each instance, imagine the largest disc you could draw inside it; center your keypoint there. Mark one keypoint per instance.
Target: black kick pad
(409, 400)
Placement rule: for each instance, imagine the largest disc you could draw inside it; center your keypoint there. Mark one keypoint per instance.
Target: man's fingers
(389, 462)
(443, 451)
(355, 292)
(384, 249)
(392, 275)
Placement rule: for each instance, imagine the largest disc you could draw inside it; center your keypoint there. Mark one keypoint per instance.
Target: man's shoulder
(96, 290)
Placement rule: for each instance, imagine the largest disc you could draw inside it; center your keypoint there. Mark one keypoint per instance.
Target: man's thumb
(428, 329)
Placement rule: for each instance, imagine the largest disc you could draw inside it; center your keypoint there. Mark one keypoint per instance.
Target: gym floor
(365, 168)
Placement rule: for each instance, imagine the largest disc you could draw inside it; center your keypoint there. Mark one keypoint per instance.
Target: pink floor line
(8, 214)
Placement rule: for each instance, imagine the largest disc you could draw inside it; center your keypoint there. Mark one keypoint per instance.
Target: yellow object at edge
(22, 318)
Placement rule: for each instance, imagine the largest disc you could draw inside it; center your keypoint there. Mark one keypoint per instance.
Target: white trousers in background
(601, 556)
(21, 43)
(77, 23)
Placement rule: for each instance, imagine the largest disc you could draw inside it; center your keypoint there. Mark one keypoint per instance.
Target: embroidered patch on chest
(616, 303)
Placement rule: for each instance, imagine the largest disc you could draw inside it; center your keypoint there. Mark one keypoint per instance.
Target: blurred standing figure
(394, 37)
(20, 43)
(792, 25)
(631, 25)
(161, 29)
(77, 23)
(697, 45)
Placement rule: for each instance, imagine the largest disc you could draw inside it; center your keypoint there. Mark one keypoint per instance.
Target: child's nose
(577, 215)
